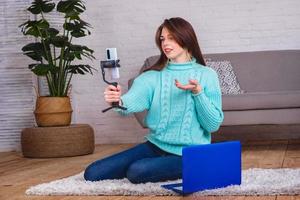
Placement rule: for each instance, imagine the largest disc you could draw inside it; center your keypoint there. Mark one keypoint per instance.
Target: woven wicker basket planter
(53, 111)
(53, 142)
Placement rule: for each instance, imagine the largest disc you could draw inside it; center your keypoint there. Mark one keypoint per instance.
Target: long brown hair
(184, 34)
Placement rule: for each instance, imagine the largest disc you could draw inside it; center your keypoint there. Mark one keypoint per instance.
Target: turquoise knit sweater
(177, 118)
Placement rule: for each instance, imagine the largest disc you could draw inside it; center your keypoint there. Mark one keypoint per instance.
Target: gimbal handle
(110, 64)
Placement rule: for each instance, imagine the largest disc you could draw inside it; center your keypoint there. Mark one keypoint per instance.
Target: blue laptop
(209, 166)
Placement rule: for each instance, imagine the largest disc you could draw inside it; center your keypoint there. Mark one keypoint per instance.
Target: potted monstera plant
(54, 54)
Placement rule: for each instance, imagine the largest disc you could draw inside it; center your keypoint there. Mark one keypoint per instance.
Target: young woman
(183, 99)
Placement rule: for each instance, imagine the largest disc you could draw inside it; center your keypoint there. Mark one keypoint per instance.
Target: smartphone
(111, 54)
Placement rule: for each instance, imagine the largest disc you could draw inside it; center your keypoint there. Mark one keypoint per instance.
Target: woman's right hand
(112, 94)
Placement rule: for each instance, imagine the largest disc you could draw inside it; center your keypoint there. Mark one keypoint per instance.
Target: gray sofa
(269, 108)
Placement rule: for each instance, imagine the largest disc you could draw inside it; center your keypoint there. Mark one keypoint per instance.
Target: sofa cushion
(227, 78)
(262, 100)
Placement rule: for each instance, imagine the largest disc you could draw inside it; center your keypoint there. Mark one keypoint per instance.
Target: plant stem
(68, 84)
(50, 76)
(45, 48)
(65, 65)
(54, 53)
(61, 59)
(49, 56)
(50, 85)
(65, 78)
(54, 74)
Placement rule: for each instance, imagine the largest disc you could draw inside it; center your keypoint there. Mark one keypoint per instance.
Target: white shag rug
(254, 182)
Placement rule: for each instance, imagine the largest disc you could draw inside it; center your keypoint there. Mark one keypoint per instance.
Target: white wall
(16, 81)
(130, 25)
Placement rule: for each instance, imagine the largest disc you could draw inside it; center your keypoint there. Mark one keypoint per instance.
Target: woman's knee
(136, 172)
(104, 169)
(90, 173)
(97, 171)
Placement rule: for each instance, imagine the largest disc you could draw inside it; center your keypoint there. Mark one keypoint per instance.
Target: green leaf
(34, 27)
(70, 6)
(80, 50)
(73, 15)
(69, 26)
(76, 47)
(30, 66)
(41, 69)
(48, 32)
(77, 55)
(69, 56)
(28, 25)
(39, 6)
(52, 32)
(78, 34)
(43, 24)
(59, 41)
(88, 49)
(80, 69)
(35, 51)
(78, 28)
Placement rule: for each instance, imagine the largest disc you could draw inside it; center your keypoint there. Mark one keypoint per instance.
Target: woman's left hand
(193, 86)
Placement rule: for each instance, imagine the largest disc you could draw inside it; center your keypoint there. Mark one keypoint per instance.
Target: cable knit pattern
(165, 99)
(177, 118)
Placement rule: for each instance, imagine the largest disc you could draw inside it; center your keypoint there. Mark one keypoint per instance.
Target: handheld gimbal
(110, 64)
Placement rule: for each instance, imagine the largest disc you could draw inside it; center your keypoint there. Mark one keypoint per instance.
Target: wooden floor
(18, 173)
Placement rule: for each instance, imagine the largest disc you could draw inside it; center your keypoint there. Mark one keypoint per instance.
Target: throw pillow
(227, 77)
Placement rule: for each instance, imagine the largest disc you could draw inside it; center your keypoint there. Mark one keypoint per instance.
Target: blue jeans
(142, 163)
